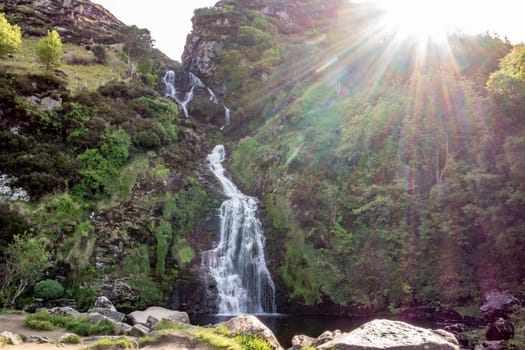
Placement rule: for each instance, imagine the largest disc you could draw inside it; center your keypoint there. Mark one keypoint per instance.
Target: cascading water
(237, 263)
(170, 91)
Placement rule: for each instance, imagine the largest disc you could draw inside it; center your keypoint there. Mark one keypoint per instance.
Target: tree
(137, 44)
(49, 50)
(10, 36)
(26, 259)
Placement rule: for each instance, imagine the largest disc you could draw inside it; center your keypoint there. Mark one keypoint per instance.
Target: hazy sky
(169, 21)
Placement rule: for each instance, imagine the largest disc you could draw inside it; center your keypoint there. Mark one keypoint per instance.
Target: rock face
(78, 21)
(500, 330)
(251, 325)
(386, 334)
(497, 304)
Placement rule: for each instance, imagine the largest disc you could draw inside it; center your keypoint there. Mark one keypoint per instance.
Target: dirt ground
(16, 324)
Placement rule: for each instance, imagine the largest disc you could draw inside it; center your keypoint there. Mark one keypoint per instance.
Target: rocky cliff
(77, 21)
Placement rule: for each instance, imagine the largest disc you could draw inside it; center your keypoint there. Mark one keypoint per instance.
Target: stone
(39, 339)
(95, 317)
(64, 311)
(327, 336)
(387, 334)
(251, 325)
(158, 313)
(122, 328)
(497, 304)
(151, 321)
(112, 315)
(12, 338)
(104, 303)
(302, 341)
(139, 330)
(500, 330)
(120, 292)
(490, 345)
(50, 103)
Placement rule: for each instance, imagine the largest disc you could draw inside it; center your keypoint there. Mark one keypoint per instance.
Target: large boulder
(103, 306)
(11, 338)
(387, 334)
(251, 325)
(158, 313)
(64, 311)
(119, 292)
(302, 341)
(500, 330)
(497, 304)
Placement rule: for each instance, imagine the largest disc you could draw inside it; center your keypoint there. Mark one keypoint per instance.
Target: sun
(420, 20)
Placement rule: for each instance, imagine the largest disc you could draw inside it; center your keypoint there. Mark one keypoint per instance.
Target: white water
(237, 263)
(226, 117)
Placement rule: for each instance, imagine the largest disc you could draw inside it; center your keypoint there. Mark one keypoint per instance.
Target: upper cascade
(171, 81)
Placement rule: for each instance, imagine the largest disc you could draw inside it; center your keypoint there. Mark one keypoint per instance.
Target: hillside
(390, 176)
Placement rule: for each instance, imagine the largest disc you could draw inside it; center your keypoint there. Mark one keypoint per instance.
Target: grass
(79, 77)
(71, 339)
(10, 312)
(43, 320)
(110, 344)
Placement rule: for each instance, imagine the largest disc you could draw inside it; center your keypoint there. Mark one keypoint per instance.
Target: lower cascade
(237, 263)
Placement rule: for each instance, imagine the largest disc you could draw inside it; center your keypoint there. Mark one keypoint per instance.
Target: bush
(71, 339)
(119, 343)
(48, 290)
(85, 298)
(84, 327)
(100, 53)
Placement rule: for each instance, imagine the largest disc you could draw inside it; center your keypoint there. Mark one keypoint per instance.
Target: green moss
(168, 324)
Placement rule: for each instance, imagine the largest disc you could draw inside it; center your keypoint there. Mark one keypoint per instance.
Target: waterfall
(226, 117)
(237, 263)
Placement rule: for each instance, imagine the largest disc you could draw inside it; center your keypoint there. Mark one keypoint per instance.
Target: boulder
(12, 338)
(50, 103)
(151, 321)
(39, 339)
(251, 325)
(64, 311)
(500, 330)
(103, 302)
(497, 304)
(327, 336)
(387, 334)
(491, 345)
(120, 292)
(139, 330)
(112, 315)
(302, 341)
(158, 313)
(122, 328)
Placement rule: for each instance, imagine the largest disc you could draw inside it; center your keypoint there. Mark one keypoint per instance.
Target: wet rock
(251, 325)
(497, 304)
(158, 313)
(302, 341)
(12, 338)
(386, 334)
(500, 330)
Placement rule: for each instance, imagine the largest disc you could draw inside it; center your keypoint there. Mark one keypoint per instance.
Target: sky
(169, 21)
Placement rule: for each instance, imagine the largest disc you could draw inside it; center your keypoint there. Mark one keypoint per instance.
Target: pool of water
(286, 326)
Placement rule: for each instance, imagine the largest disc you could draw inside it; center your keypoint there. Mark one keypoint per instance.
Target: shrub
(85, 298)
(48, 290)
(71, 339)
(84, 327)
(100, 53)
(167, 324)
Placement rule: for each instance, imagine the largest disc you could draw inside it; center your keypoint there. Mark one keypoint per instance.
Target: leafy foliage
(10, 36)
(49, 50)
(48, 290)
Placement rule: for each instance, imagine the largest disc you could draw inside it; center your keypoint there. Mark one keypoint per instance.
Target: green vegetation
(10, 36)
(110, 344)
(48, 290)
(49, 50)
(82, 326)
(71, 339)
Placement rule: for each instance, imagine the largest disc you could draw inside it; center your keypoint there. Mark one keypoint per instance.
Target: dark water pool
(286, 326)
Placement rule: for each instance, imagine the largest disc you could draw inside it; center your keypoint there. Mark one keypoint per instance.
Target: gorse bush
(48, 290)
